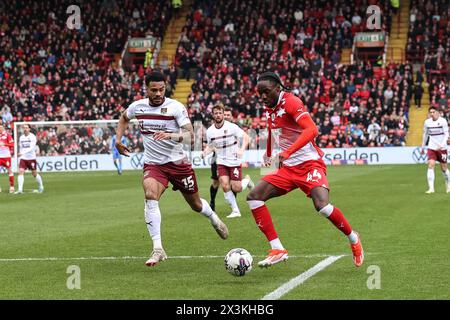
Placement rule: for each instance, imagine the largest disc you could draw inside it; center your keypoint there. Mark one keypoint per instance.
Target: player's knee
(151, 195)
(237, 189)
(253, 196)
(196, 205)
(319, 204)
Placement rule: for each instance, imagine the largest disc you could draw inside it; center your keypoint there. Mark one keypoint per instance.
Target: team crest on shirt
(163, 110)
(224, 131)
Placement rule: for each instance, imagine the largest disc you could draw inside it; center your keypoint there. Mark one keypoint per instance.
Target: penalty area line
(294, 282)
(139, 257)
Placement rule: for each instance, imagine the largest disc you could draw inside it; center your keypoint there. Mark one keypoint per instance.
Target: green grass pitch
(405, 234)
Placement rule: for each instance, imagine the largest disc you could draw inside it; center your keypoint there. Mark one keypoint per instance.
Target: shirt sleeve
(238, 131)
(10, 141)
(296, 108)
(181, 115)
(131, 111)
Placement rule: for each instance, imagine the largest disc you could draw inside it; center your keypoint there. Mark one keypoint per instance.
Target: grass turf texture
(404, 233)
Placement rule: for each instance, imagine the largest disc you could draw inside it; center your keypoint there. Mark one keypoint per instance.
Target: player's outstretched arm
(121, 127)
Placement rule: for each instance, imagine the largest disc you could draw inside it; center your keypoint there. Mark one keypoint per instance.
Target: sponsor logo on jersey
(163, 110)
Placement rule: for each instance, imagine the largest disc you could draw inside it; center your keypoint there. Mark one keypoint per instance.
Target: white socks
(209, 213)
(20, 181)
(231, 199)
(353, 237)
(153, 221)
(21, 178)
(276, 244)
(39, 180)
(430, 178)
(245, 183)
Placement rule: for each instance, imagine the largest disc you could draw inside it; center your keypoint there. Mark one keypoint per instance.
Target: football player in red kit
(300, 166)
(6, 145)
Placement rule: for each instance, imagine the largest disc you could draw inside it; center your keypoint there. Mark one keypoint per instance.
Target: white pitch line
(137, 257)
(291, 284)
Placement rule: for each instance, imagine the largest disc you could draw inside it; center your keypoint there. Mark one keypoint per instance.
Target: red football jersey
(6, 144)
(285, 130)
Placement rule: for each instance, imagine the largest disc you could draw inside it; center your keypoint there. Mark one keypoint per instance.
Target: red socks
(338, 219)
(11, 181)
(264, 222)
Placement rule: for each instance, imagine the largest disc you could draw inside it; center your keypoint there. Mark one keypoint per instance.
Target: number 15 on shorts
(188, 183)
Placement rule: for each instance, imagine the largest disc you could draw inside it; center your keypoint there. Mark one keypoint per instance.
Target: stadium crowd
(353, 105)
(429, 42)
(429, 34)
(48, 72)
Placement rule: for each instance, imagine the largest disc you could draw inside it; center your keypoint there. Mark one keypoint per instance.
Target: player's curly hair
(273, 77)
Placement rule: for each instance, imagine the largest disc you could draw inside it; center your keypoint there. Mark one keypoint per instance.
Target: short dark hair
(432, 108)
(228, 109)
(155, 75)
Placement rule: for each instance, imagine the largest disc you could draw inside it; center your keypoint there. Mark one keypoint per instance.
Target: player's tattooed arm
(121, 127)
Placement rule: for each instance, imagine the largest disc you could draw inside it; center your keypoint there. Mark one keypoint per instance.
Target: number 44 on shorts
(313, 176)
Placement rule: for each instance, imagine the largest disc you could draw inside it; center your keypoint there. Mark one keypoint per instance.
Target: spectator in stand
(418, 92)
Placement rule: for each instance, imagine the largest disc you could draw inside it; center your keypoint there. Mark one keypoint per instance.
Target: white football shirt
(437, 131)
(168, 117)
(27, 147)
(225, 142)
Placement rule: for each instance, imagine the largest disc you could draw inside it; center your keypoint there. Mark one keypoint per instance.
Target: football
(238, 262)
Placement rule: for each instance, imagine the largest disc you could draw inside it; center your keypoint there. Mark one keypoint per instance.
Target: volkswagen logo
(418, 157)
(137, 160)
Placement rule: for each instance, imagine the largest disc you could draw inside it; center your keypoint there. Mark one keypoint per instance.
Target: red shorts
(181, 176)
(5, 162)
(306, 176)
(235, 173)
(437, 155)
(28, 164)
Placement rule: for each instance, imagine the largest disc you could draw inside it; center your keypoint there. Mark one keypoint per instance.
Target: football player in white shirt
(164, 123)
(27, 156)
(214, 187)
(222, 137)
(435, 131)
